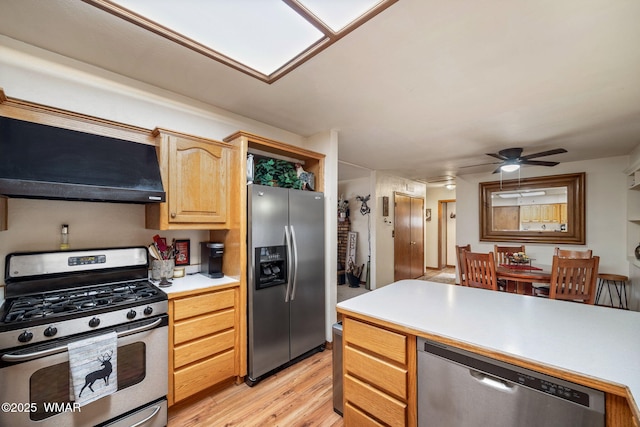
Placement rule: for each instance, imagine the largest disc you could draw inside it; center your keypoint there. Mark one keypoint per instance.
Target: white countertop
(526, 327)
(194, 281)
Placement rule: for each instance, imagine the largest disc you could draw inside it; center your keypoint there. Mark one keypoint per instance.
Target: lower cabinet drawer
(196, 350)
(200, 304)
(355, 417)
(381, 406)
(195, 378)
(381, 341)
(383, 374)
(201, 326)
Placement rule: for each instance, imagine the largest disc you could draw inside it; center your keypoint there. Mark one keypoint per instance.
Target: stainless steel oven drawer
(152, 415)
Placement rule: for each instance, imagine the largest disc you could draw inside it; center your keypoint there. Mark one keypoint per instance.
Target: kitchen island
(594, 346)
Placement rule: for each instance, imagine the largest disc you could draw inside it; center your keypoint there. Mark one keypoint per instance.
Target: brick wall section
(343, 234)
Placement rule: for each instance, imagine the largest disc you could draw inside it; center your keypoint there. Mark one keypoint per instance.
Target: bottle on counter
(64, 237)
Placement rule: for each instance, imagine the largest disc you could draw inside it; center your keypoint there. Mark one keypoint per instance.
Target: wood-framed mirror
(546, 209)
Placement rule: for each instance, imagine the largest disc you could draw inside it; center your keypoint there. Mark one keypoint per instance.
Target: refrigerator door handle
(295, 263)
(287, 238)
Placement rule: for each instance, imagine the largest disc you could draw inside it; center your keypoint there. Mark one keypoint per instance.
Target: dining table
(528, 279)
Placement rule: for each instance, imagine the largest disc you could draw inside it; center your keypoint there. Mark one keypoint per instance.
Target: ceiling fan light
(450, 186)
(509, 167)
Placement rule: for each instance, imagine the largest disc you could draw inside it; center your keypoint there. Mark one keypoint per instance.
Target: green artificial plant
(275, 172)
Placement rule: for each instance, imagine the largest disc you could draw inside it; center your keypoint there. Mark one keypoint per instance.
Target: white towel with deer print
(93, 364)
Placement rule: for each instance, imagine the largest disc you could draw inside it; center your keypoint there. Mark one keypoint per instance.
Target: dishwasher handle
(491, 381)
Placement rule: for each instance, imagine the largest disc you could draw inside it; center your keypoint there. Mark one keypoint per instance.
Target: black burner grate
(60, 303)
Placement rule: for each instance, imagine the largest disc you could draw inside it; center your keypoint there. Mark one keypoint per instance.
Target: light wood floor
(300, 395)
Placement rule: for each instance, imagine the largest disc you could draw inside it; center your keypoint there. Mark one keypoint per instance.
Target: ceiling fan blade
(543, 153)
(480, 164)
(538, 163)
(497, 156)
(497, 170)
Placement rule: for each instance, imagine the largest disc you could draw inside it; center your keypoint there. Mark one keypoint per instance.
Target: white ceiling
(422, 89)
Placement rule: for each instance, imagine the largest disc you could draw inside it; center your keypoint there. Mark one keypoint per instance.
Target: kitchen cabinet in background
(197, 174)
(204, 340)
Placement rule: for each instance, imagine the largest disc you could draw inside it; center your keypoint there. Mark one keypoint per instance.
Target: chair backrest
(503, 252)
(574, 279)
(461, 268)
(480, 270)
(567, 253)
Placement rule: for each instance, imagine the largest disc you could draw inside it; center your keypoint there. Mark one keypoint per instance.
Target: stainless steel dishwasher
(458, 388)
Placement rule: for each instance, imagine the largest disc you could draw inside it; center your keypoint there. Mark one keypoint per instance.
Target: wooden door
(408, 243)
(402, 237)
(506, 218)
(417, 238)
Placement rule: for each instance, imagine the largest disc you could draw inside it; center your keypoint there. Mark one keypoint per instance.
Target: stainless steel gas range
(57, 299)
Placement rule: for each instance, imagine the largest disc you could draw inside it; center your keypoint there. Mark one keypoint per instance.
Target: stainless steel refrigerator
(286, 295)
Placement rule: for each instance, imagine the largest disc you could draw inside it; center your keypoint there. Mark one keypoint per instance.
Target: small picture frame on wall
(183, 252)
(427, 214)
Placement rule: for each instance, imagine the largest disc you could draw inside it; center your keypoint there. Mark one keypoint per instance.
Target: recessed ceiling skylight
(263, 38)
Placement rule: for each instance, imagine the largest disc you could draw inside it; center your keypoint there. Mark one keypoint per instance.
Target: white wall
(359, 223)
(43, 77)
(451, 220)
(434, 195)
(606, 207)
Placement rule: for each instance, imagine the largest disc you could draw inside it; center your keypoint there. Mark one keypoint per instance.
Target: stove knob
(26, 336)
(148, 311)
(94, 322)
(50, 331)
(131, 314)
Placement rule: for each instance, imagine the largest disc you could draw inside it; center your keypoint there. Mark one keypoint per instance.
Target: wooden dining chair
(480, 270)
(503, 253)
(567, 253)
(574, 279)
(461, 268)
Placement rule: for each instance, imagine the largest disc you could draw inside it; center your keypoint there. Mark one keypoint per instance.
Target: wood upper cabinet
(197, 175)
(563, 213)
(535, 213)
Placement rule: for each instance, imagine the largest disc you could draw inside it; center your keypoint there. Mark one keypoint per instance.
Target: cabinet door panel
(198, 184)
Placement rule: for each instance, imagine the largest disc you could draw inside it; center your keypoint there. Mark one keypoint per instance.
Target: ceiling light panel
(337, 14)
(262, 34)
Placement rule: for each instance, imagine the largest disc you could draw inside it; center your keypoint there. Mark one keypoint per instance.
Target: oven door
(35, 392)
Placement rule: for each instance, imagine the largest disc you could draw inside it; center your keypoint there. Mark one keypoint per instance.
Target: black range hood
(46, 162)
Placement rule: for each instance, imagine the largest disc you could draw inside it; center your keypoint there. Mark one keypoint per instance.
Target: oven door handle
(48, 352)
(155, 412)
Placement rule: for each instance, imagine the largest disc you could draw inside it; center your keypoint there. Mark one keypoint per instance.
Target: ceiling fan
(512, 159)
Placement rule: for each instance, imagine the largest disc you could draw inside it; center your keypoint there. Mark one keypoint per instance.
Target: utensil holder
(162, 269)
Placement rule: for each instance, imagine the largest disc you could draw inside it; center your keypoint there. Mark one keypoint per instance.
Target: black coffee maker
(211, 259)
